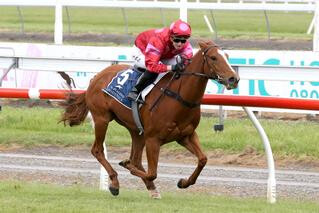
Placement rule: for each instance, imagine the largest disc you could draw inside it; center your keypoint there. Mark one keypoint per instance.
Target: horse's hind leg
(192, 144)
(137, 147)
(101, 124)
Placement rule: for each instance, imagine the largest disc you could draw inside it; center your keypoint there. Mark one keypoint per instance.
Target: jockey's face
(178, 42)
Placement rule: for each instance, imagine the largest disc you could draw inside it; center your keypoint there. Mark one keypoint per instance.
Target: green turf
(31, 197)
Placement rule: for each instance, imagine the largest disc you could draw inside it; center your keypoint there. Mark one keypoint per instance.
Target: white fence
(182, 5)
(292, 5)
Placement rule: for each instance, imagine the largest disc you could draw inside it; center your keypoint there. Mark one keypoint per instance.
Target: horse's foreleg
(101, 124)
(191, 143)
(138, 144)
(134, 165)
(152, 153)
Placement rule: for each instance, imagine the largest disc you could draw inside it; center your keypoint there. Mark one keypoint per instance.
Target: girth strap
(179, 98)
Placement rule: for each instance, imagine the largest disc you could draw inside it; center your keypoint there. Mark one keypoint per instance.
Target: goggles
(182, 40)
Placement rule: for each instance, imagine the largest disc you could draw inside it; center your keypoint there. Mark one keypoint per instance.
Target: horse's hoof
(180, 184)
(114, 191)
(124, 163)
(155, 194)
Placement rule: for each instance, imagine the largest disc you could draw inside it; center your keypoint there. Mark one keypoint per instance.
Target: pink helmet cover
(180, 28)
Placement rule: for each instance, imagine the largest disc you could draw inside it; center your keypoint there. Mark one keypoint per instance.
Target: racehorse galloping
(166, 117)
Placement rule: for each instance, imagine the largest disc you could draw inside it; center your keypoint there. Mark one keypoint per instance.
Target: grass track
(32, 197)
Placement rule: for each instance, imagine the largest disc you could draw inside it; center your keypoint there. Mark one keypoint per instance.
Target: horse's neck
(193, 87)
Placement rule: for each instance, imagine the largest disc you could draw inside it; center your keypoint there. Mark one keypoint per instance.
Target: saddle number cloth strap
(176, 96)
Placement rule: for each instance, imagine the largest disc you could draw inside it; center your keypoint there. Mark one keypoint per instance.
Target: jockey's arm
(153, 53)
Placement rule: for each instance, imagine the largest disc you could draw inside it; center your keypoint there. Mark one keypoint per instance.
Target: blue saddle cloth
(121, 85)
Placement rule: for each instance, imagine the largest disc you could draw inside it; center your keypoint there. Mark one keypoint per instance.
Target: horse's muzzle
(232, 83)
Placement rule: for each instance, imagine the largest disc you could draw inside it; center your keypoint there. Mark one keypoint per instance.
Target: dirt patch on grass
(247, 158)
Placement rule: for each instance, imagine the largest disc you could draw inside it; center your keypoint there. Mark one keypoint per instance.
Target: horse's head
(216, 65)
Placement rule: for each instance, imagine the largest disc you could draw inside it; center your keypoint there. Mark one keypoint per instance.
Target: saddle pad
(122, 84)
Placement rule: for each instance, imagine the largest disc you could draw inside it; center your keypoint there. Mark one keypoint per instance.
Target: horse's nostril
(232, 80)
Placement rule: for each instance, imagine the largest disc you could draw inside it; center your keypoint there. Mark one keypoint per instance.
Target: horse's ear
(202, 44)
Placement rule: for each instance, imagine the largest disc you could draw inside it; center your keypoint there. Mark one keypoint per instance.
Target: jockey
(156, 50)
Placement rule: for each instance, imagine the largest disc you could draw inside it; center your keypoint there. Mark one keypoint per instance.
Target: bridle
(206, 58)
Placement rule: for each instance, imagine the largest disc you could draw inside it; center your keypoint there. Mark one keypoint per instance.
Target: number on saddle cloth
(121, 85)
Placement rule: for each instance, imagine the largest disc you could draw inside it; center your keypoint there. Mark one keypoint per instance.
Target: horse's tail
(76, 109)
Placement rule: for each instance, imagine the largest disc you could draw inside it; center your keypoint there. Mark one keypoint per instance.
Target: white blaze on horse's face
(223, 54)
(231, 78)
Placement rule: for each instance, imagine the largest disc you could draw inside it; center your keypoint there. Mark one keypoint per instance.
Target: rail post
(316, 29)
(58, 25)
(183, 10)
(271, 184)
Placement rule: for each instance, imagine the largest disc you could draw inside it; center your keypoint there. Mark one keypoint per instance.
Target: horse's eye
(213, 58)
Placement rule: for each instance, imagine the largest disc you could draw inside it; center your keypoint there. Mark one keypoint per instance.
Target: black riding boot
(146, 79)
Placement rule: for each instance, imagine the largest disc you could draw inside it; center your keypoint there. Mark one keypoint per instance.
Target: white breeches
(139, 58)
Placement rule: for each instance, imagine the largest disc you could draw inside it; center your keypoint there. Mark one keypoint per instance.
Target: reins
(202, 75)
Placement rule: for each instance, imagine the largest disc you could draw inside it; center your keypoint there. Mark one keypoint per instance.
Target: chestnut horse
(166, 117)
